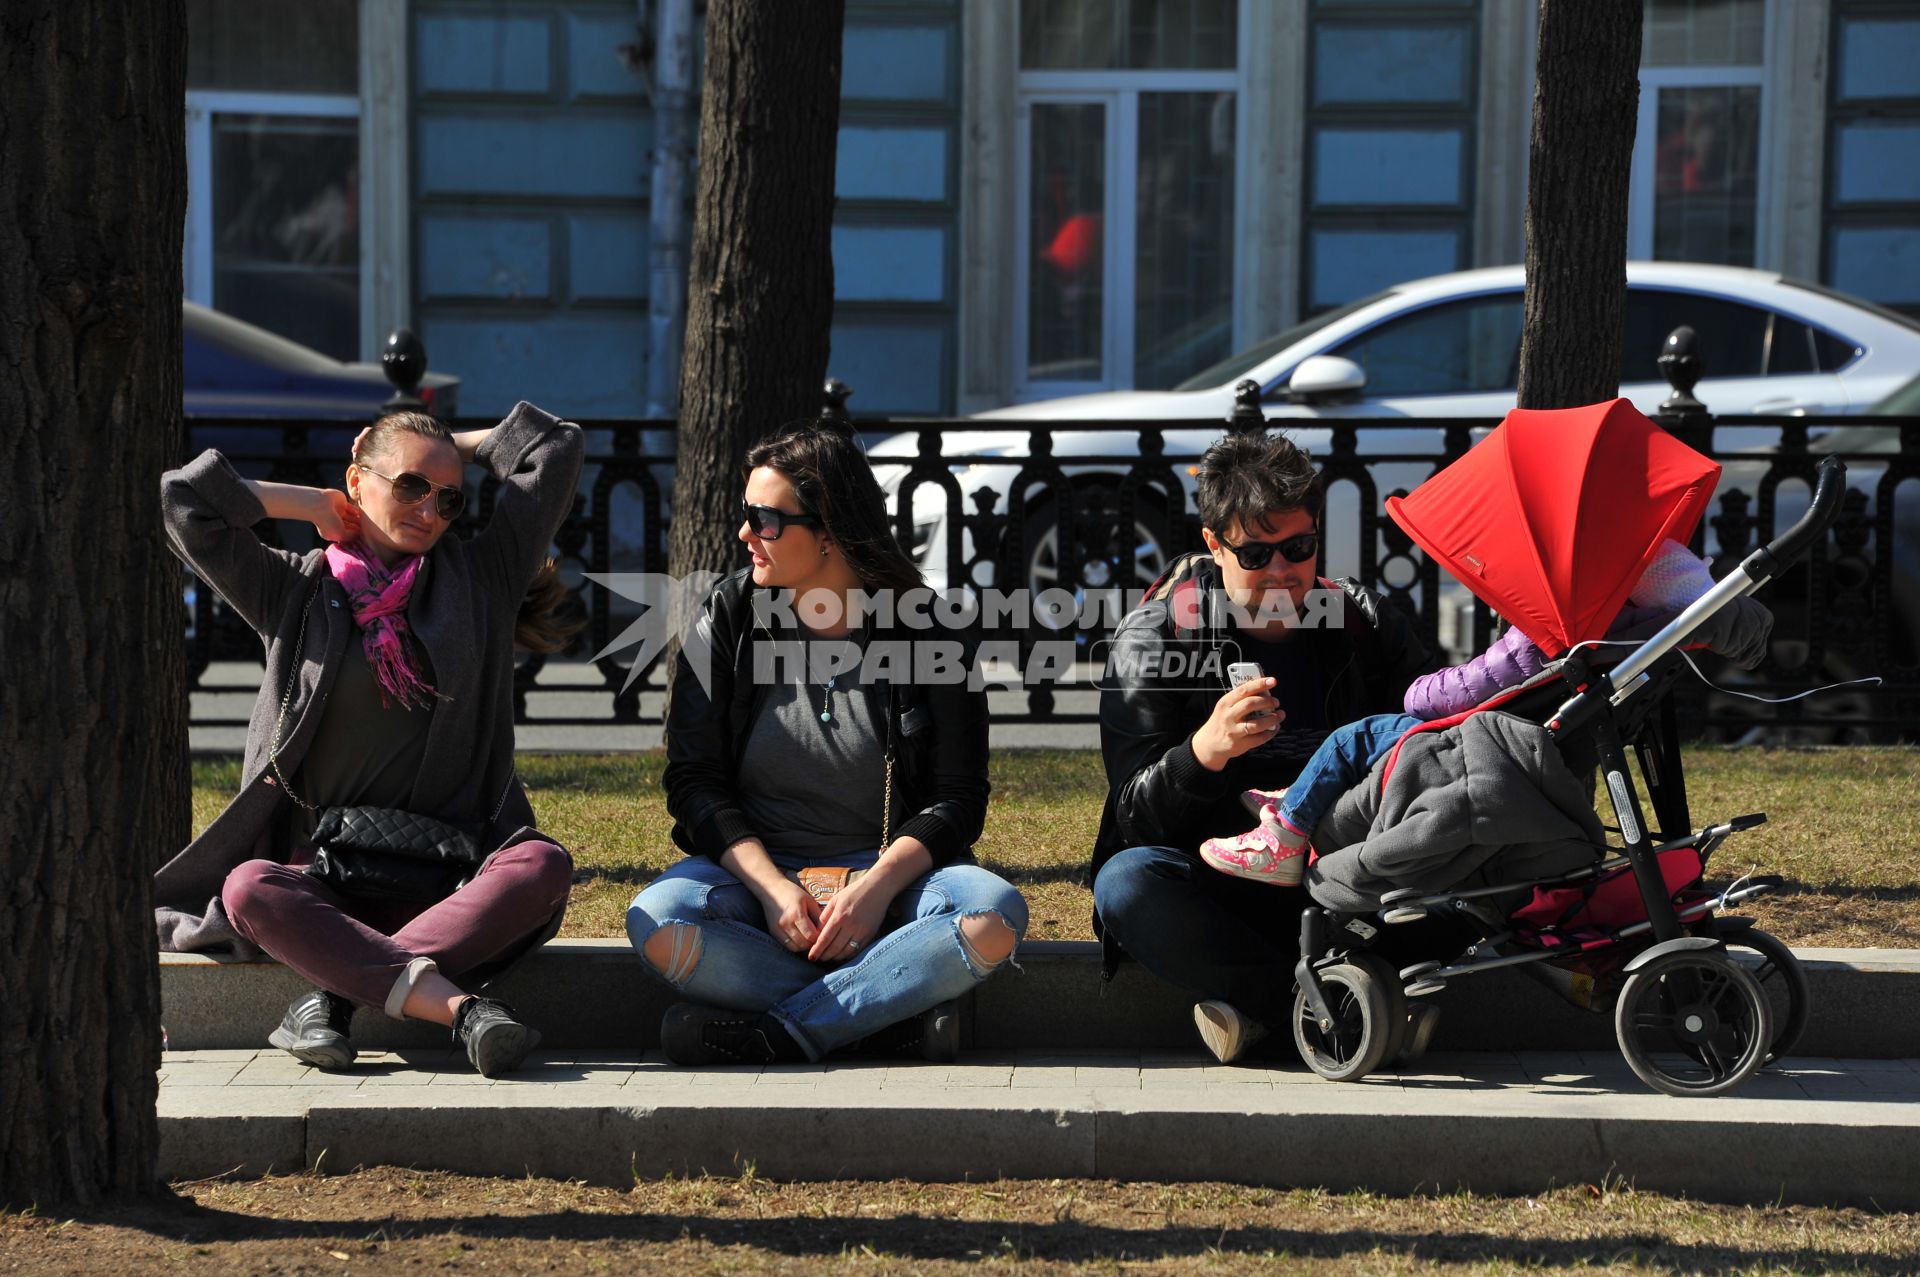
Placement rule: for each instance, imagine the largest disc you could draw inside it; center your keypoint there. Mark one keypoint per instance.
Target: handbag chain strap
(886, 806)
(293, 679)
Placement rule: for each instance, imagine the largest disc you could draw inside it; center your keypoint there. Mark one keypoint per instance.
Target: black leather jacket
(936, 734)
(1158, 794)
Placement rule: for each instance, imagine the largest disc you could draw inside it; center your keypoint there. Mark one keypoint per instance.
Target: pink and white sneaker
(1256, 799)
(1270, 852)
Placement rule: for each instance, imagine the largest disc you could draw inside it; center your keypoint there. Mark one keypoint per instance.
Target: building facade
(1036, 197)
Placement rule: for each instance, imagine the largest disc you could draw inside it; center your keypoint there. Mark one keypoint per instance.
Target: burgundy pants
(364, 949)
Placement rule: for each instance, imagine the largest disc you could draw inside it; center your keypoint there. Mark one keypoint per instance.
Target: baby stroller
(1549, 522)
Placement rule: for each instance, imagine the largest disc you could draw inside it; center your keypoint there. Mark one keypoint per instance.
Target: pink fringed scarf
(379, 599)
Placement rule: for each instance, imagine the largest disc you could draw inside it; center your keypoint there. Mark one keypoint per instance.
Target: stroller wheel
(1415, 980)
(1781, 978)
(1693, 1022)
(1363, 1030)
(1398, 1015)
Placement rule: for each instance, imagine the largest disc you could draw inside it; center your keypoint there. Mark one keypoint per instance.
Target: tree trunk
(760, 284)
(673, 91)
(1585, 102)
(93, 744)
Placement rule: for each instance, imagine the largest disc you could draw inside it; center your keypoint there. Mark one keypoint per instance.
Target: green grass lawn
(1844, 831)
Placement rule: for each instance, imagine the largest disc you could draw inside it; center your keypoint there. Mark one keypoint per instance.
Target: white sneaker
(1225, 1031)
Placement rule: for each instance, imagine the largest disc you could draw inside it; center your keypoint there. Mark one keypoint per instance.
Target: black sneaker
(496, 1042)
(693, 1034)
(933, 1035)
(314, 1031)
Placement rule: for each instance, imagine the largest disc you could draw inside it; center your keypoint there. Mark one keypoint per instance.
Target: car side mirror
(1325, 379)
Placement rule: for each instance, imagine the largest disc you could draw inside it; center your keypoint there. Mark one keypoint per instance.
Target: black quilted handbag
(381, 852)
(385, 854)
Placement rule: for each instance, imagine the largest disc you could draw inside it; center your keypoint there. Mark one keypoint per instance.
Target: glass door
(1128, 132)
(1698, 160)
(1064, 260)
(273, 214)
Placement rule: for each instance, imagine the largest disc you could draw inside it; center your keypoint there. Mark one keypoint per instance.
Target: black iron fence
(1097, 509)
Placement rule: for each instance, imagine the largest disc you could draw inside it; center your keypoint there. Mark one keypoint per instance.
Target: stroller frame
(1683, 991)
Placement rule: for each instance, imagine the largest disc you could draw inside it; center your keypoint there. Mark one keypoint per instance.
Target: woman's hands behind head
(334, 516)
(332, 513)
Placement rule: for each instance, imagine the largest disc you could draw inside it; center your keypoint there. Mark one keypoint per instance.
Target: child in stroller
(1553, 520)
(1275, 850)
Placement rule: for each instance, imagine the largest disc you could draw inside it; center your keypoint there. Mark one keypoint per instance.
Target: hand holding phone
(1245, 672)
(1235, 726)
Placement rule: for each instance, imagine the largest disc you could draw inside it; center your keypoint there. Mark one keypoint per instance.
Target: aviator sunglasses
(1255, 555)
(411, 489)
(768, 522)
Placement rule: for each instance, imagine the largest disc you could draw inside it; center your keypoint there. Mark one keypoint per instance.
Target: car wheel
(1108, 560)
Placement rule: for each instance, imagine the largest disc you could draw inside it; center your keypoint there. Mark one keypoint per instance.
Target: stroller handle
(1830, 485)
(1755, 570)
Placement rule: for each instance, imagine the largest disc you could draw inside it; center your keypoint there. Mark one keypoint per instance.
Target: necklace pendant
(825, 716)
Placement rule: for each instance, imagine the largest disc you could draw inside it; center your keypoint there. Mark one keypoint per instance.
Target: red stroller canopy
(1553, 517)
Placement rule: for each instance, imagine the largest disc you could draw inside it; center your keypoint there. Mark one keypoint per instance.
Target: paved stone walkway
(199, 1076)
(1819, 1130)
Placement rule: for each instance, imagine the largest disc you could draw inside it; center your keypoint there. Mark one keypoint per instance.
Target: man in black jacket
(1181, 746)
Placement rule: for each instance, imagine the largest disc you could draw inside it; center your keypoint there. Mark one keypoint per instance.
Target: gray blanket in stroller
(1491, 786)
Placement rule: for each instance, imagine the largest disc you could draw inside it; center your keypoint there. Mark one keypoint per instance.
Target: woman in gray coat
(389, 684)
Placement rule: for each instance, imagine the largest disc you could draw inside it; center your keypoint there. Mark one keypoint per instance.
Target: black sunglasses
(768, 522)
(1255, 555)
(411, 489)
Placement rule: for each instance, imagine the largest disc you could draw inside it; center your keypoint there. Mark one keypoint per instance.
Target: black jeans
(1208, 933)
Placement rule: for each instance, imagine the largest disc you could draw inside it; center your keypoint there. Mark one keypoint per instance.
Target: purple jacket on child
(1739, 631)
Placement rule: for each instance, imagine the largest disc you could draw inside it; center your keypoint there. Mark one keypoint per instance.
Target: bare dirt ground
(398, 1221)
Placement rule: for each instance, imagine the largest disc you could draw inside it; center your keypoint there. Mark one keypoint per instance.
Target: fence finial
(1246, 414)
(833, 401)
(404, 360)
(1683, 367)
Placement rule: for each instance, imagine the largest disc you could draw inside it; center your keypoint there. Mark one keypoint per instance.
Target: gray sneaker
(496, 1042)
(314, 1031)
(1226, 1031)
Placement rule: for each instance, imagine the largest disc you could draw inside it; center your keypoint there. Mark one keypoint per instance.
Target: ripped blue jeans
(918, 962)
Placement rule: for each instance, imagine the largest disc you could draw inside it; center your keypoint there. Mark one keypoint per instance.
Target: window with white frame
(1129, 133)
(273, 161)
(1699, 158)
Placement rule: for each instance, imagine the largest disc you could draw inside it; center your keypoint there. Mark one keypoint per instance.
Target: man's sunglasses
(411, 489)
(768, 522)
(1255, 555)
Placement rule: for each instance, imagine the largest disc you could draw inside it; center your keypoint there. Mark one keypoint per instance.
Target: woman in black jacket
(826, 796)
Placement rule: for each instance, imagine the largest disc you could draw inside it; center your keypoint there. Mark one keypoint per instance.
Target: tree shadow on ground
(922, 1238)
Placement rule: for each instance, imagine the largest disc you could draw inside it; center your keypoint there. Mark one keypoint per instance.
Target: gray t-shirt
(365, 753)
(815, 788)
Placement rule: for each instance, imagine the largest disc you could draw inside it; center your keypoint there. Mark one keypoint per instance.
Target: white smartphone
(1244, 672)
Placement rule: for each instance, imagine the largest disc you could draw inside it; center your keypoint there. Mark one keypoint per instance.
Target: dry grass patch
(389, 1220)
(1844, 831)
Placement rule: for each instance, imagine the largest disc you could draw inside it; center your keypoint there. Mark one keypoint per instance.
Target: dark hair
(835, 483)
(550, 614)
(1250, 474)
